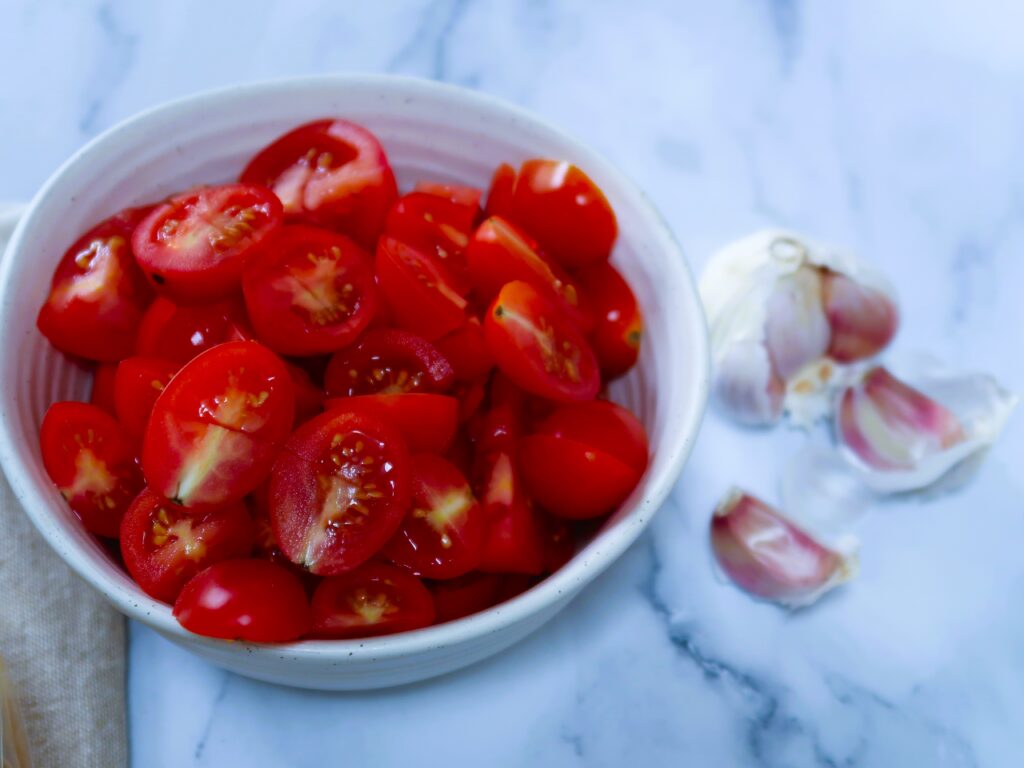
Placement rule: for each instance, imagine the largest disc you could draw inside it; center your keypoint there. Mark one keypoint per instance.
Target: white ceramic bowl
(430, 131)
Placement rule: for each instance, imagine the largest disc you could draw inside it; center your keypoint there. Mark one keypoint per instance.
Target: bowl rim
(584, 567)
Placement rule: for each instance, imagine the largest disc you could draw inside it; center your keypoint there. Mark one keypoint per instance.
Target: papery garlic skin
(770, 557)
(746, 386)
(863, 319)
(796, 329)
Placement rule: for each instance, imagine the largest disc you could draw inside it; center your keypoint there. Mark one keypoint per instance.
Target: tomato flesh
(137, 384)
(513, 541)
(501, 190)
(426, 422)
(436, 225)
(422, 296)
(388, 362)
(179, 333)
(618, 324)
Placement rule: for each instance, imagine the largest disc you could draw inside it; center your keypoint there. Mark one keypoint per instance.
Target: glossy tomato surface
(388, 362)
(499, 194)
(179, 333)
(439, 225)
(466, 350)
(513, 539)
(422, 296)
(138, 382)
(618, 324)
(102, 395)
(426, 422)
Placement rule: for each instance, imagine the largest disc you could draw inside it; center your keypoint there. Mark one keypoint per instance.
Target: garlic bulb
(769, 556)
(800, 307)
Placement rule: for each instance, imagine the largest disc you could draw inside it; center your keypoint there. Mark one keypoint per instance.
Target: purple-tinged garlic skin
(747, 387)
(891, 426)
(770, 557)
(863, 319)
(796, 329)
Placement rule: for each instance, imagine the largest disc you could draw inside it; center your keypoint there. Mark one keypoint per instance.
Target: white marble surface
(894, 127)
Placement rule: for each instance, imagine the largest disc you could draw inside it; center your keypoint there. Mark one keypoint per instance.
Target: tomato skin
(138, 382)
(311, 291)
(179, 333)
(309, 399)
(102, 395)
(618, 322)
(513, 541)
(426, 422)
(538, 348)
(467, 351)
(441, 536)
(331, 508)
(422, 296)
(466, 595)
(164, 545)
(329, 173)
(375, 599)
(501, 190)
(250, 600)
(604, 425)
(436, 225)
(388, 362)
(91, 460)
(194, 247)
(565, 211)
(98, 294)
(559, 543)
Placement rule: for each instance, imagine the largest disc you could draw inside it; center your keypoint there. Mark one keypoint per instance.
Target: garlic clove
(863, 318)
(769, 556)
(746, 387)
(890, 425)
(796, 329)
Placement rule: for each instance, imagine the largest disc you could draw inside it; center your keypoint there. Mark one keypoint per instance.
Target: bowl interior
(429, 132)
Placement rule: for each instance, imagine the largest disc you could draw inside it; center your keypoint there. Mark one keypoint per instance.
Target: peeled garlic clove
(889, 425)
(770, 557)
(747, 387)
(863, 319)
(796, 329)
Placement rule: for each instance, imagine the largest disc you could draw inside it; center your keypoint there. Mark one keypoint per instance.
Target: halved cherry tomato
(215, 429)
(422, 296)
(457, 598)
(603, 424)
(471, 396)
(435, 225)
(538, 348)
(98, 294)
(513, 540)
(467, 351)
(137, 385)
(311, 291)
(426, 422)
(330, 173)
(618, 323)
(164, 545)
(442, 535)
(565, 211)
(194, 247)
(250, 600)
(500, 252)
(103, 387)
(309, 399)
(467, 197)
(91, 460)
(388, 362)
(499, 194)
(559, 543)
(375, 599)
(338, 491)
(180, 333)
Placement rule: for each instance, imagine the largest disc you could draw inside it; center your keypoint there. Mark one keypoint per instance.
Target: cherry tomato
(471, 396)
(467, 197)
(442, 535)
(388, 362)
(91, 460)
(500, 252)
(310, 292)
(538, 348)
(618, 324)
(426, 422)
(467, 351)
(251, 600)
(338, 491)
(565, 211)
(215, 429)
(513, 541)
(309, 399)
(164, 545)
(466, 595)
(421, 295)
(103, 387)
(180, 333)
(375, 599)
(194, 247)
(603, 424)
(98, 294)
(137, 384)
(559, 543)
(437, 226)
(499, 194)
(329, 173)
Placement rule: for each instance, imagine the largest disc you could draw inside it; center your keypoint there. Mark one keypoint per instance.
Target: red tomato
(421, 295)
(426, 422)
(560, 206)
(437, 226)
(180, 333)
(471, 396)
(559, 543)
(338, 491)
(538, 348)
(467, 351)
(604, 425)
(466, 595)
(309, 399)
(500, 252)
(164, 545)
(97, 295)
(91, 460)
(251, 600)
(513, 541)
(467, 197)
(103, 387)
(376, 599)
(442, 535)
(618, 324)
(137, 385)
(311, 291)
(330, 173)
(388, 362)
(499, 194)
(194, 247)
(215, 429)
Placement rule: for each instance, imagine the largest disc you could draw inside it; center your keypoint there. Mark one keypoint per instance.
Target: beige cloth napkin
(64, 646)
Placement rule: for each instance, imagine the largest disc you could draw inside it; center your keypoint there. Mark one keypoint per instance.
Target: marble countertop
(894, 128)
